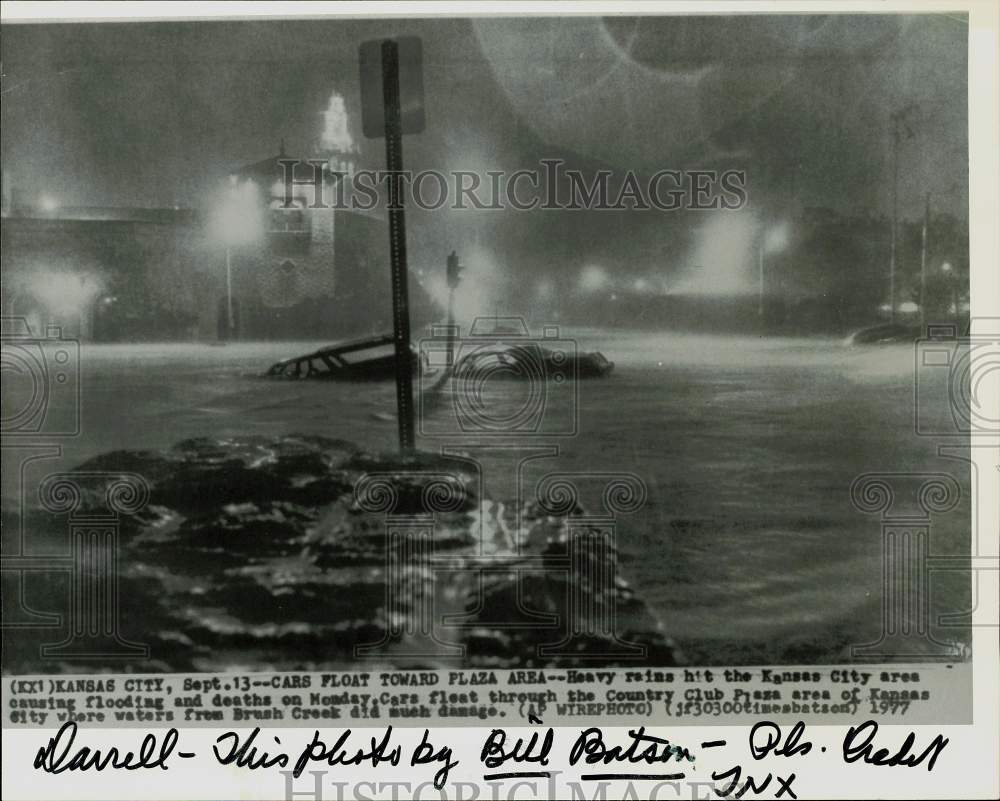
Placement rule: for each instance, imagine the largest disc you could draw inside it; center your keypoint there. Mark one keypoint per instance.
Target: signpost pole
(397, 245)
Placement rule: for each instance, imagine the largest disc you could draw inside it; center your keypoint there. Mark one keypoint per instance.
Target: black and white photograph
(480, 342)
(668, 273)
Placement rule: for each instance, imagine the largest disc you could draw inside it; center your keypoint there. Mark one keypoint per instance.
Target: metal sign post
(398, 115)
(397, 245)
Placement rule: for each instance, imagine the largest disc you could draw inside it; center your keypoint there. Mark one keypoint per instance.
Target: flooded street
(555, 400)
(748, 547)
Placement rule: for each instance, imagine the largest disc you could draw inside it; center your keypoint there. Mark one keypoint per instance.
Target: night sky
(155, 114)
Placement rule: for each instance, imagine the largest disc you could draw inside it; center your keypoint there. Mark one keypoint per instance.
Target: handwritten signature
(55, 756)
(590, 747)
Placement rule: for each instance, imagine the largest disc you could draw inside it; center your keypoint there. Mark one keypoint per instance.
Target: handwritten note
(591, 754)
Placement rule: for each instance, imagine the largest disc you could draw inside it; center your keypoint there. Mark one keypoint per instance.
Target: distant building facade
(161, 274)
(104, 274)
(311, 272)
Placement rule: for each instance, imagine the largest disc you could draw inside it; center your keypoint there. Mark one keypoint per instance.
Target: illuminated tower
(336, 143)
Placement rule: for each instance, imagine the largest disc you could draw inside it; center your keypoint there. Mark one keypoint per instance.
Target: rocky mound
(305, 553)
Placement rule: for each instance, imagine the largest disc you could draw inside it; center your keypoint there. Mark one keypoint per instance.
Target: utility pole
(895, 212)
(923, 259)
(229, 293)
(899, 125)
(760, 279)
(453, 277)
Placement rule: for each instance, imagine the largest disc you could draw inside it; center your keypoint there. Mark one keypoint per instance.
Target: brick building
(311, 272)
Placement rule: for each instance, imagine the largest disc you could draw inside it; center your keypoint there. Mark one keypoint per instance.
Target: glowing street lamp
(949, 274)
(64, 294)
(237, 224)
(773, 241)
(593, 278)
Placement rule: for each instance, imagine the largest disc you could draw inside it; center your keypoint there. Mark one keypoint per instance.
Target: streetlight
(593, 278)
(949, 274)
(772, 241)
(237, 224)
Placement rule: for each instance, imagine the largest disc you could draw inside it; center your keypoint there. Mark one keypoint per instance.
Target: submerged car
(371, 359)
(530, 360)
(885, 334)
(374, 359)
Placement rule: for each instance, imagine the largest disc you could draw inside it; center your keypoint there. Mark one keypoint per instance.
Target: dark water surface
(748, 547)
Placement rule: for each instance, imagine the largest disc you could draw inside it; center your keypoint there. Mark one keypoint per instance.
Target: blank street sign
(411, 87)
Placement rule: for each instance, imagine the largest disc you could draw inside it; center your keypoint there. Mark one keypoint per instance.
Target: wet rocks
(295, 552)
(204, 474)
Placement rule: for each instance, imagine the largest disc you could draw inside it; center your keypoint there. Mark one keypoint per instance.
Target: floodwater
(748, 546)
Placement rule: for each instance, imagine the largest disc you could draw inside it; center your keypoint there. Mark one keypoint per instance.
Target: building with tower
(247, 266)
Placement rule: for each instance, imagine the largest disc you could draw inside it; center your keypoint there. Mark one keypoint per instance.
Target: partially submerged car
(885, 334)
(529, 360)
(374, 359)
(371, 359)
